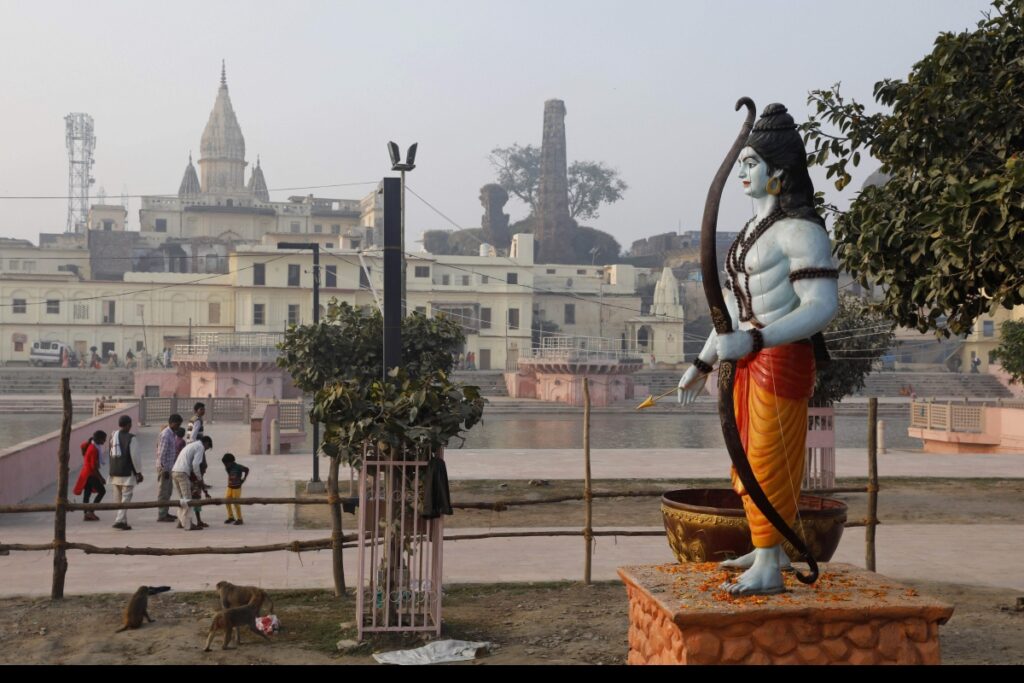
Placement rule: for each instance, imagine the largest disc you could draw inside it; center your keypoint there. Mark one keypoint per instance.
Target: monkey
(138, 607)
(232, 620)
(237, 596)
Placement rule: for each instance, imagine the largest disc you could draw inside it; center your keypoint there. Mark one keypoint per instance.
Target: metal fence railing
(251, 345)
(400, 552)
(576, 349)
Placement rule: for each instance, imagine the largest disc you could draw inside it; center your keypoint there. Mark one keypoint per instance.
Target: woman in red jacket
(90, 480)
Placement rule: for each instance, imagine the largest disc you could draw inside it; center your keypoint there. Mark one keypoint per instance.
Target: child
(90, 480)
(237, 474)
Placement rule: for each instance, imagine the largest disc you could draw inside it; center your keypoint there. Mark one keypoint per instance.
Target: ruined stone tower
(555, 228)
(494, 223)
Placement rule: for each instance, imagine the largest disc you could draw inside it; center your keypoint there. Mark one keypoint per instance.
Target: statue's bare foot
(784, 563)
(742, 562)
(747, 561)
(764, 577)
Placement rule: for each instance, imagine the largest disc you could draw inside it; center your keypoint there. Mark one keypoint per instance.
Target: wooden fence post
(60, 559)
(872, 520)
(588, 532)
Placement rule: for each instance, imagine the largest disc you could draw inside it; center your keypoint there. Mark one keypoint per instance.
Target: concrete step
(83, 381)
(491, 382)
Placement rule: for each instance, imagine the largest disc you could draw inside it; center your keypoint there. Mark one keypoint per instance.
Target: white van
(47, 352)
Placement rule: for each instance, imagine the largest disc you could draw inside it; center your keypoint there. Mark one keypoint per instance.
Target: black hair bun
(775, 117)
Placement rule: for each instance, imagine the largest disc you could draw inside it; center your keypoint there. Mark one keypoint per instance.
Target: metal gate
(400, 552)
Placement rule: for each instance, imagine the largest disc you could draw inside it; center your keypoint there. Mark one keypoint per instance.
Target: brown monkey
(237, 596)
(232, 620)
(138, 607)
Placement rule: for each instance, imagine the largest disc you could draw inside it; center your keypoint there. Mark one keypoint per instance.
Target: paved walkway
(979, 554)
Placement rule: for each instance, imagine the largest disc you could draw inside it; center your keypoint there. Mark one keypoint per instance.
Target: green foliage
(403, 417)
(856, 338)
(341, 359)
(453, 242)
(518, 171)
(1010, 352)
(944, 236)
(591, 183)
(590, 245)
(348, 344)
(467, 242)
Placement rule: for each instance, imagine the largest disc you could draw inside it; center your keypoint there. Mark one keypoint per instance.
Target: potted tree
(393, 429)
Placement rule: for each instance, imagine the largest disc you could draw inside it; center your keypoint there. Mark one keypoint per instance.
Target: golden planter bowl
(708, 525)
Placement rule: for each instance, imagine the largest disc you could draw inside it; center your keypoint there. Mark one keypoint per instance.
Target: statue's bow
(727, 368)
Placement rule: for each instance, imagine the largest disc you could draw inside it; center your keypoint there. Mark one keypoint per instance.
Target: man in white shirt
(188, 465)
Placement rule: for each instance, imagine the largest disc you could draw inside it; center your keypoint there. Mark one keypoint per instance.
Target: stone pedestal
(677, 615)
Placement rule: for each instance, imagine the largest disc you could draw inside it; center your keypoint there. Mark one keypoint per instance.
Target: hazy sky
(320, 87)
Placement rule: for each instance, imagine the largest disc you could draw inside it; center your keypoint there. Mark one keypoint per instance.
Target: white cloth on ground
(437, 652)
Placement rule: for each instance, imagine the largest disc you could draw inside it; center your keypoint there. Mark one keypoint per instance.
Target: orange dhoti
(770, 398)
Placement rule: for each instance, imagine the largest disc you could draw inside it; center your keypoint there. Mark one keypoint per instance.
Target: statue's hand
(734, 345)
(690, 385)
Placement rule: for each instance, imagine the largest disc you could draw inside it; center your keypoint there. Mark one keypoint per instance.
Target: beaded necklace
(736, 263)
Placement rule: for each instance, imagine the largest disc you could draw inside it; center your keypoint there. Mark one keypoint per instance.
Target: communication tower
(81, 142)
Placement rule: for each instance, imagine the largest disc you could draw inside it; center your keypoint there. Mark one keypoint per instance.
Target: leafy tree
(856, 338)
(407, 417)
(411, 414)
(347, 344)
(943, 237)
(1010, 352)
(590, 245)
(591, 183)
(518, 172)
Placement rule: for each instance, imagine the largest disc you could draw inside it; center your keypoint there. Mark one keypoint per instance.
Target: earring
(773, 186)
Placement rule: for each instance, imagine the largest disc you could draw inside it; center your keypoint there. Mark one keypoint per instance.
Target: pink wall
(237, 383)
(170, 382)
(1003, 433)
(521, 384)
(568, 388)
(31, 466)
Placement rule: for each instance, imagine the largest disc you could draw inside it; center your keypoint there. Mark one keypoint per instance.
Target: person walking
(124, 469)
(195, 425)
(90, 480)
(185, 468)
(237, 474)
(166, 455)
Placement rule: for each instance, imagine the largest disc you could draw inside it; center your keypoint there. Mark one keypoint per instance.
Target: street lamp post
(397, 165)
(315, 485)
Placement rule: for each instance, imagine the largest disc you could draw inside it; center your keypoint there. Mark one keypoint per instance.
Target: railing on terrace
(251, 345)
(576, 349)
(155, 410)
(947, 417)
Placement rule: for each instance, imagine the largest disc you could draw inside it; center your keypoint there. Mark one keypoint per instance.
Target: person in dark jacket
(125, 468)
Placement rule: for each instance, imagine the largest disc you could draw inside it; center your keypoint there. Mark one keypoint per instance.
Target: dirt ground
(549, 623)
(900, 501)
(552, 623)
